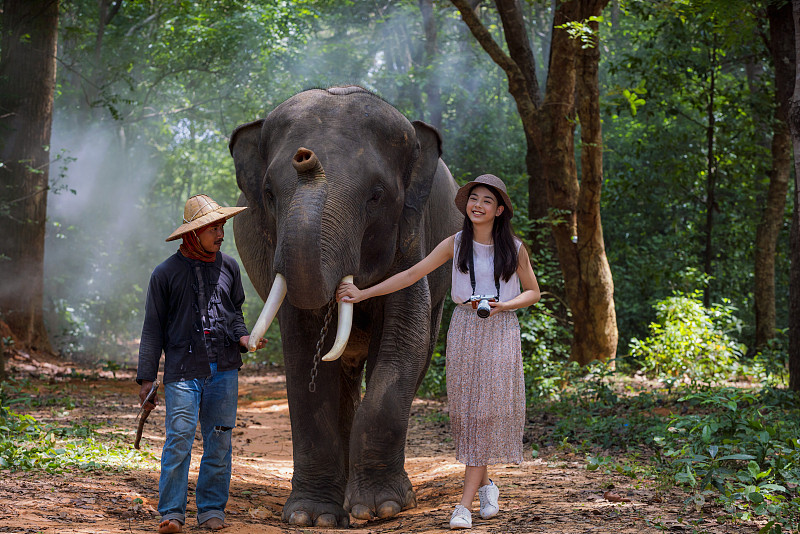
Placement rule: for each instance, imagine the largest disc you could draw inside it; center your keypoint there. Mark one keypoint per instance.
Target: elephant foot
(307, 513)
(379, 499)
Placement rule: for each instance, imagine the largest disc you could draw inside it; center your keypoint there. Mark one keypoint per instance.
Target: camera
(481, 304)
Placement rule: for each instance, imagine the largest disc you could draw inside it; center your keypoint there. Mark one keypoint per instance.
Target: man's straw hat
(201, 210)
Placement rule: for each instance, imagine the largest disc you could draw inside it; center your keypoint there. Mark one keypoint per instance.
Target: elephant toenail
(300, 518)
(360, 511)
(388, 509)
(326, 521)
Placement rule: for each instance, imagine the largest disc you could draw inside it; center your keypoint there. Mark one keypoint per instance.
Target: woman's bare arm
(438, 257)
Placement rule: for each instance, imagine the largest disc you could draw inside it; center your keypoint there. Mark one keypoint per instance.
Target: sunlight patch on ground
(276, 468)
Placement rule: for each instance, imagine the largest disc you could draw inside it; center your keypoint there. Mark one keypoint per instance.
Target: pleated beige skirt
(485, 387)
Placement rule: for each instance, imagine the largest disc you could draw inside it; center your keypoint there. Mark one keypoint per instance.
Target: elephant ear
(254, 227)
(250, 167)
(418, 185)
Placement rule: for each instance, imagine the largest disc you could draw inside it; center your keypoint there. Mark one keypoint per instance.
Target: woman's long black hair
(505, 249)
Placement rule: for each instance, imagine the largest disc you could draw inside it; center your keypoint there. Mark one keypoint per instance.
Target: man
(193, 314)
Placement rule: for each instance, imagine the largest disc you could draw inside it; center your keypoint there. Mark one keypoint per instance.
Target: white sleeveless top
(483, 255)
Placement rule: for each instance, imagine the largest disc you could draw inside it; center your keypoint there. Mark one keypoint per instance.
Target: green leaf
(753, 469)
(773, 487)
(736, 457)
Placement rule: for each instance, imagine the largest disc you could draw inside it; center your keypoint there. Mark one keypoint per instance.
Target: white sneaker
(461, 518)
(489, 494)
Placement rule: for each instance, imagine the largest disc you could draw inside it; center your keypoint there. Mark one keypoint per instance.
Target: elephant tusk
(271, 306)
(343, 328)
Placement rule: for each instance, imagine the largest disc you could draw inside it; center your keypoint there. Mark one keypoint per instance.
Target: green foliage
(736, 446)
(434, 384)
(26, 444)
(582, 31)
(689, 340)
(742, 448)
(655, 159)
(590, 410)
(545, 351)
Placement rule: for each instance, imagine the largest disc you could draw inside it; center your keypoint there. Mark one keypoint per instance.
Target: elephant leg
(319, 452)
(378, 485)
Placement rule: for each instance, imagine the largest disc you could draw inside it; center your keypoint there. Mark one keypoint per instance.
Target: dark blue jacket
(172, 321)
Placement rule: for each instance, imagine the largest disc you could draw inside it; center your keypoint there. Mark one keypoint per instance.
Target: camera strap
(471, 267)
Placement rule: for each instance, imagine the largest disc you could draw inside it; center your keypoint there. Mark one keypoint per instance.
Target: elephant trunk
(305, 254)
(310, 285)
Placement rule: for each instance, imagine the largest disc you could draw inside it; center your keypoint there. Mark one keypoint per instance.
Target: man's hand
(244, 340)
(143, 392)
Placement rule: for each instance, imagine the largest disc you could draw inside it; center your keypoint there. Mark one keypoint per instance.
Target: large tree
(781, 47)
(29, 31)
(572, 89)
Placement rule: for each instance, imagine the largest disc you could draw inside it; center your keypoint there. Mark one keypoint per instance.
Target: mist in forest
(99, 242)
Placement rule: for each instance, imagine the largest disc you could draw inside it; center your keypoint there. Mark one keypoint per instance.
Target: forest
(650, 148)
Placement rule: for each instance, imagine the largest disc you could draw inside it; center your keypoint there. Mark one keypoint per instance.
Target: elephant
(340, 184)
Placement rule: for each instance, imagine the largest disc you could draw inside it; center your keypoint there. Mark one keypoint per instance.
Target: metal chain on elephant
(312, 386)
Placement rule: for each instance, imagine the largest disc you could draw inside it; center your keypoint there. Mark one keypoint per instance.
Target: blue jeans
(213, 401)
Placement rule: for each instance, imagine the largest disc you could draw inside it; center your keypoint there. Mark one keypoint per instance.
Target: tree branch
(519, 46)
(517, 85)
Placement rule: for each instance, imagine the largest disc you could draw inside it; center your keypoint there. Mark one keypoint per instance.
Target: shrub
(545, 351)
(689, 340)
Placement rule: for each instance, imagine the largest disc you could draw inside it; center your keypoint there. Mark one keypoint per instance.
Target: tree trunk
(596, 287)
(711, 176)
(794, 276)
(781, 44)
(27, 82)
(550, 131)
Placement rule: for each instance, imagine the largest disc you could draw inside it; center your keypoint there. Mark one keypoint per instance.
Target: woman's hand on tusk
(347, 292)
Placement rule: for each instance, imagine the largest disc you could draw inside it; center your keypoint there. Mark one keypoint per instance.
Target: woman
(485, 384)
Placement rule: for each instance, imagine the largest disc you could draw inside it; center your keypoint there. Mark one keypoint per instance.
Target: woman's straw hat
(201, 210)
(485, 179)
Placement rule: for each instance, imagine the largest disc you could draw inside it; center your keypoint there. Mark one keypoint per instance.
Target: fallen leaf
(610, 496)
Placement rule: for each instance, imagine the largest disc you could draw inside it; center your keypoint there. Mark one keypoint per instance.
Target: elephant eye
(377, 193)
(269, 196)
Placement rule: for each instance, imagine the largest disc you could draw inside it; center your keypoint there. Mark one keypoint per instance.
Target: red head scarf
(192, 249)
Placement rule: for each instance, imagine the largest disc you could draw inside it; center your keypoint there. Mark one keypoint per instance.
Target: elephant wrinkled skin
(339, 183)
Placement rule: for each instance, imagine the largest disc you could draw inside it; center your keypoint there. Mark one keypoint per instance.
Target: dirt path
(552, 494)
